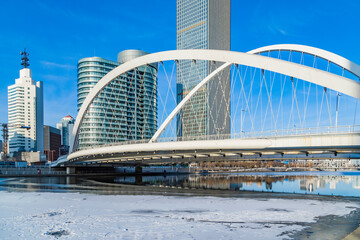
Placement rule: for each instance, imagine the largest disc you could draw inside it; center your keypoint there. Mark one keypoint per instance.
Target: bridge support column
(138, 175)
(70, 170)
(70, 180)
(138, 170)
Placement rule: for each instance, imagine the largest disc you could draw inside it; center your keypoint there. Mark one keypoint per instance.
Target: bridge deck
(341, 145)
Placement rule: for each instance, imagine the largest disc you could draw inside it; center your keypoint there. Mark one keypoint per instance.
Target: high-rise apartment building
(124, 110)
(25, 112)
(203, 24)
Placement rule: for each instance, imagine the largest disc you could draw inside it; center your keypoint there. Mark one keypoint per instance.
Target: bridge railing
(271, 133)
(247, 135)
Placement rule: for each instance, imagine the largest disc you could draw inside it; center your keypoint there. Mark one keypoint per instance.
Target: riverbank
(41, 171)
(275, 169)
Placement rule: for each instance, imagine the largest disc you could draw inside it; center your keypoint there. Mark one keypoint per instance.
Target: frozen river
(177, 207)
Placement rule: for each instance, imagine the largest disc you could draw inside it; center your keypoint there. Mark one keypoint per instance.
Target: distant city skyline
(58, 34)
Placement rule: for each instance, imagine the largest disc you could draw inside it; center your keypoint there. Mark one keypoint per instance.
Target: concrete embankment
(26, 171)
(83, 172)
(355, 235)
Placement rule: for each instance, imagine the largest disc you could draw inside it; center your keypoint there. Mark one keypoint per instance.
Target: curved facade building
(141, 104)
(126, 109)
(90, 71)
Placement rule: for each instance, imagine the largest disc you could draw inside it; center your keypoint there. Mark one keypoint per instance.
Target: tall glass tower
(66, 126)
(203, 24)
(94, 129)
(124, 110)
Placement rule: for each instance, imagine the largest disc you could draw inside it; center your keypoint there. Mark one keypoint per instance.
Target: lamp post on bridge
(337, 109)
(219, 131)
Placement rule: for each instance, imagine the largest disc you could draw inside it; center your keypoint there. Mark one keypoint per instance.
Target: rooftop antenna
(24, 58)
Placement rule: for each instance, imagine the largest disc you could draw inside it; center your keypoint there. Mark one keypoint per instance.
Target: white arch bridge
(276, 102)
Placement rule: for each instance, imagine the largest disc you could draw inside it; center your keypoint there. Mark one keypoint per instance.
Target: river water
(316, 183)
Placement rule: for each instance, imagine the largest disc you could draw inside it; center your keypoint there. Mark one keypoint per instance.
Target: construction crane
(5, 131)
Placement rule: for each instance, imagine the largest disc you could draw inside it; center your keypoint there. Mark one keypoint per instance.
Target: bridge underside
(217, 157)
(317, 147)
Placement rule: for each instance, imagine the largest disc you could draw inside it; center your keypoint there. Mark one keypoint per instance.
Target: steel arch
(329, 56)
(316, 76)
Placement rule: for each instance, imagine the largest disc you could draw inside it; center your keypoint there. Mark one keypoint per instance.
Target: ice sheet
(85, 216)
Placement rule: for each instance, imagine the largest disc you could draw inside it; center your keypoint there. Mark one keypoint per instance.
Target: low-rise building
(32, 158)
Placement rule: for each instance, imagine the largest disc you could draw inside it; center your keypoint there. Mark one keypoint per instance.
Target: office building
(203, 24)
(126, 109)
(52, 143)
(25, 112)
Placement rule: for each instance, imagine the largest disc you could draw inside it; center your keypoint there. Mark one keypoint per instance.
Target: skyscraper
(203, 24)
(126, 109)
(141, 97)
(25, 112)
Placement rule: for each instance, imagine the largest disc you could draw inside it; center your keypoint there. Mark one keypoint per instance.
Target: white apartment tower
(25, 112)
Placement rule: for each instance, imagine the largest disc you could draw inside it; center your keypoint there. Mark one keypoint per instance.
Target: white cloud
(57, 65)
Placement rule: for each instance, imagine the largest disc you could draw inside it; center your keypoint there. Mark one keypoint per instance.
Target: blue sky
(59, 33)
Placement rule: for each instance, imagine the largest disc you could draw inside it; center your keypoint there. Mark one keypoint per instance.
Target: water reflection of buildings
(356, 182)
(213, 181)
(312, 183)
(242, 182)
(105, 185)
(230, 182)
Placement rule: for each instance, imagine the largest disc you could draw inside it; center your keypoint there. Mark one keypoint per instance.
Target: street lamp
(219, 131)
(337, 109)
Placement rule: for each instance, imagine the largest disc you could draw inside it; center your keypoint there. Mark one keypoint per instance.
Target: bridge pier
(70, 170)
(138, 170)
(138, 180)
(70, 180)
